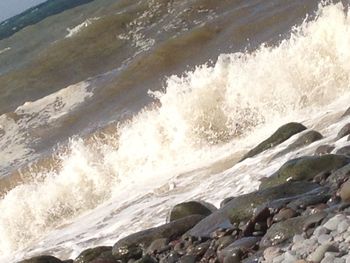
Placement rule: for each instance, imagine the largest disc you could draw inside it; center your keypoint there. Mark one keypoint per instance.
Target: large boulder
(42, 259)
(241, 208)
(190, 208)
(304, 140)
(282, 134)
(88, 255)
(305, 168)
(132, 247)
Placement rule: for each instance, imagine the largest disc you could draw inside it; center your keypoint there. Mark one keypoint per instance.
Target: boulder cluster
(301, 213)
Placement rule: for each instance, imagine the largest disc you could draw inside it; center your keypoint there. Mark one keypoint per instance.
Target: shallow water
(108, 123)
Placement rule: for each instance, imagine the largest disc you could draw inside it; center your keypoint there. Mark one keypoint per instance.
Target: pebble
(271, 252)
(332, 224)
(343, 226)
(320, 230)
(319, 253)
(324, 238)
(345, 191)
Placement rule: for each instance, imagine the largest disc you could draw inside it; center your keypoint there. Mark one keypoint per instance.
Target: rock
(324, 239)
(42, 259)
(344, 131)
(336, 178)
(332, 224)
(241, 208)
(146, 259)
(92, 253)
(324, 149)
(282, 134)
(305, 168)
(284, 230)
(132, 246)
(319, 253)
(304, 140)
(320, 230)
(284, 214)
(271, 252)
(190, 208)
(236, 249)
(158, 245)
(188, 259)
(225, 201)
(344, 151)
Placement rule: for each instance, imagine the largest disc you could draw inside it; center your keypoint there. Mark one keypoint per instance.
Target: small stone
(319, 253)
(332, 224)
(342, 227)
(320, 230)
(298, 239)
(158, 245)
(284, 214)
(345, 191)
(328, 259)
(271, 252)
(289, 257)
(278, 259)
(188, 259)
(347, 260)
(324, 238)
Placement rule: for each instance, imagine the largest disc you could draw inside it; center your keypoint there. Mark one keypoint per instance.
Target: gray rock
(90, 254)
(282, 134)
(303, 140)
(344, 150)
(324, 149)
(284, 230)
(319, 253)
(158, 245)
(344, 131)
(345, 191)
(305, 168)
(190, 208)
(332, 224)
(324, 239)
(133, 245)
(242, 208)
(320, 230)
(346, 113)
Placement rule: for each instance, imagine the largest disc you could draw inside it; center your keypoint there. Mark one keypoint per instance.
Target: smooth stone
(328, 259)
(324, 239)
(146, 259)
(190, 208)
(289, 257)
(158, 245)
(132, 245)
(324, 149)
(319, 253)
(280, 135)
(303, 140)
(342, 227)
(284, 214)
(271, 252)
(92, 253)
(224, 241)
(344, 131)
(304, 169)
(332, 224)
(188, 259)
(320, 230)
(345, 191)
(42, 259)
(240, 244)
(284, 230)
(242, 208)
(346, 113)
(225, 201)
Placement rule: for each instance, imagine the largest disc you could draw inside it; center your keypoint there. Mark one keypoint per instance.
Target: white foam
(205, 119)
(75, 30)
(5, 50)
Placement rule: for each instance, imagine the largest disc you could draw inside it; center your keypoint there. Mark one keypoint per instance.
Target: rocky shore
(301, 213)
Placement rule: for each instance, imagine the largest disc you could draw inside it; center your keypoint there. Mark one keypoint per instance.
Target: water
(101, 136)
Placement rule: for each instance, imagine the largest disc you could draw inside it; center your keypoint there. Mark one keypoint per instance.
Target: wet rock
(344, 150)
(332, 224)
(42, 259)
(242, 208)
(237, 248)
(346, 113)
(284, 214)
(71, 261)
(104, 260)
(188, 259)
(324, 149)
(304, 140)
(132, 246)
(345, 192)
(93, 253)
(146, 259)
(225, 201)
(224, 241)
(319, 253)
(336, 178)
(158, 246)
(282, 134)
(344, 131)
(305, 168)
(190, 208)
(271, 252)
(284, 230)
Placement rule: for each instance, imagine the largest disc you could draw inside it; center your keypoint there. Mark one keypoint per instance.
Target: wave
(195, 114)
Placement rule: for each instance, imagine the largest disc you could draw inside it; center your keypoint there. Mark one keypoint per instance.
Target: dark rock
(92, 253)
(200, 249)
(42, 259)
(338, 177)
(305, 168)
(241, 208)
(284, 230)
(283, 214)
(237, 248)
(158, 246)
(173, 257)
(224, 241)
(344, 151)
(71, 261)
(344, 131)
(104, 260)
(225, 201)
(282, 134)
(190, 208)
(304, 140)
(146, 259)
(324, 149)
(132, 246)
(188, 259)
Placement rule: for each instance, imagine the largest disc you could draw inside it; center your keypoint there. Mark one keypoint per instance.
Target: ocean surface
(113, 111)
